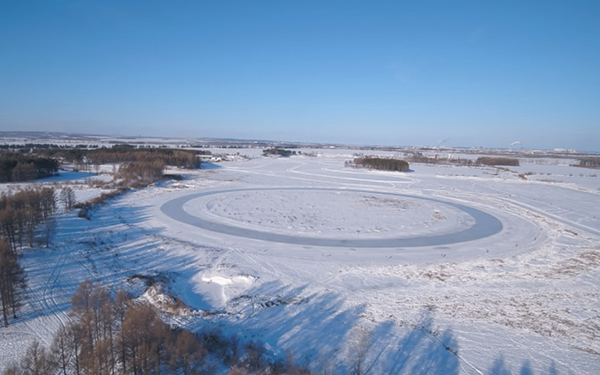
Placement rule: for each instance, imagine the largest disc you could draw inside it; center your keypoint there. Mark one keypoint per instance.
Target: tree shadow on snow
(322, 330)
(426, 350)
(311, 326)
(206, 165)
(421, 351)
(499, 367)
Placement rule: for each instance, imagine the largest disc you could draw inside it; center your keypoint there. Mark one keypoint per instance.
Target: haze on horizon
(390, 73)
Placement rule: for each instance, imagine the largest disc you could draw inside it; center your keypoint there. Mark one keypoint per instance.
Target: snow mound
(217, 289)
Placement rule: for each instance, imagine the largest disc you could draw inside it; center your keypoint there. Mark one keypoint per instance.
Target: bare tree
(37, 361)
(122, 301)
(62, 349)
(187, 354)
(8, 228)
(49, 228)
(67, 197)
(359, 348)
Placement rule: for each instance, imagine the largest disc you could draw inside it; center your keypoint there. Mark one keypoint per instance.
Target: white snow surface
(523, 301)
(331, 213)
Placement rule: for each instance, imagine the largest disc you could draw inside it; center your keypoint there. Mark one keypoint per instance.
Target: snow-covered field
(523, 300)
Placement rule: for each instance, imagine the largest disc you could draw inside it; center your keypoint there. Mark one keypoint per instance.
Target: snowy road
(485, 225)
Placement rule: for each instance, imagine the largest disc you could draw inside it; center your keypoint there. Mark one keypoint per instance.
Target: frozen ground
(525, 300)
(331, 213)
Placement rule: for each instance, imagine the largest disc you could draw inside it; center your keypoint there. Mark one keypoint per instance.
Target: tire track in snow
(545, 213)
(47, 308)
(48, 296)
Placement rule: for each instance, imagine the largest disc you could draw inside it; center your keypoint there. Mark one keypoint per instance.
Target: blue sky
(477, 73)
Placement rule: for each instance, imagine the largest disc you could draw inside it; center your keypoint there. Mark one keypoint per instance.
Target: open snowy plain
(441, 270)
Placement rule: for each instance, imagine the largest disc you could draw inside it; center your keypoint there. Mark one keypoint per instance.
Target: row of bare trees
(12, 282)
(591, 162)
(23, 211)
(121, 335)
(113, 336)
(142, 172)
(20, 214)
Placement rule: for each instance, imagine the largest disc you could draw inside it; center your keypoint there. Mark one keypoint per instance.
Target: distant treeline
(27, 147)
(420, 158)
(278, 151)
(120, 335)
(590, 162)
(384, 164)
(128, 154)
(44, 161)
(497, 161)
(15, 167)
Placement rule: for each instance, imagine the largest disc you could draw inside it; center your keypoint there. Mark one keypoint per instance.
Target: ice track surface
(484, 224)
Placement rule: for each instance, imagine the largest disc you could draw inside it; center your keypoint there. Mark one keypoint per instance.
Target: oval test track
(485, 224)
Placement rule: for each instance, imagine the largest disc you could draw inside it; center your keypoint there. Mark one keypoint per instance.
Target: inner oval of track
(485, 224)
